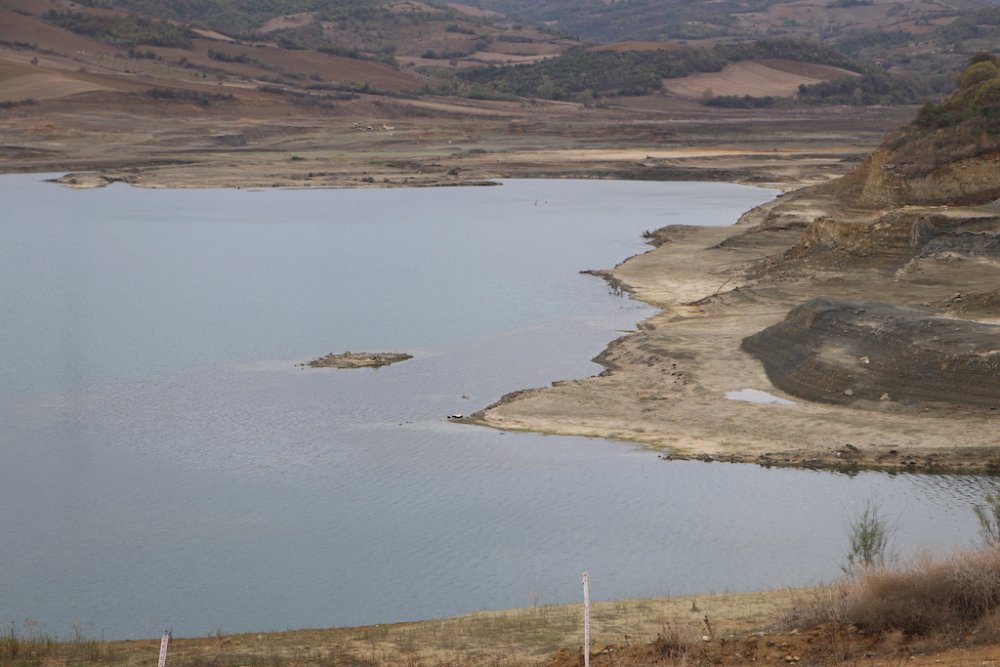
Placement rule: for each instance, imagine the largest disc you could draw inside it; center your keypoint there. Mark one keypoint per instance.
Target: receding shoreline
(665, 385)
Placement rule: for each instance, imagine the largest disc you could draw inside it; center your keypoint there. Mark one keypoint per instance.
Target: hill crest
(950, 154)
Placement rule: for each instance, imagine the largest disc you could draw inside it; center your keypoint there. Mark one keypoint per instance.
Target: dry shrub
(988, 628)
(819, 606)
(674, 639)
(949, 596)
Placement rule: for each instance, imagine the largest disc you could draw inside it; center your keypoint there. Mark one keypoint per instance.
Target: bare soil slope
(847, 351)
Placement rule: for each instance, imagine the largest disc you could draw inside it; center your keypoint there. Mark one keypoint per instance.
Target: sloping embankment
(844, 352)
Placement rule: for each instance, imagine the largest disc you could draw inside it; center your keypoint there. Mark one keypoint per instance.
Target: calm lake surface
(165, 464)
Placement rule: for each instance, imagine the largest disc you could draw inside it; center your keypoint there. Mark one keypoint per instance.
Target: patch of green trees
(972, 109)
(611, 73)
(123, 30)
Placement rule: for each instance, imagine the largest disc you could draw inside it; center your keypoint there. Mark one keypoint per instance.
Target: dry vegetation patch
(16, 27)
(931, 612)
(952, 597)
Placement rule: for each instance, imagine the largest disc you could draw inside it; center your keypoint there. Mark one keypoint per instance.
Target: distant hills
(615, 20)
(730, 53)
(704, 72)
(411, 32)
(921, 37)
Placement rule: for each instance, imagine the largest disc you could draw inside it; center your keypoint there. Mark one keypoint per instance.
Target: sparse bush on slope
(949, 597)
(965, 124)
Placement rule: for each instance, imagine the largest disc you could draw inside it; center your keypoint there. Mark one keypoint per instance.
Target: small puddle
(757, 396)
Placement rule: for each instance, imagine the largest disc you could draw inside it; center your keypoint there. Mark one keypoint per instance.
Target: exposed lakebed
(166, 464)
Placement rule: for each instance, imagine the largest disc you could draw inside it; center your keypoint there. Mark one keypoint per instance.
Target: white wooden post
(163, 649)
(586, 621)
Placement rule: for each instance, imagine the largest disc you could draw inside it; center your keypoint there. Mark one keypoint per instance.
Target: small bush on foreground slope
(952, 596)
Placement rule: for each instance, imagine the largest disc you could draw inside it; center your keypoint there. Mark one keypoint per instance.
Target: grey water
(164, 463)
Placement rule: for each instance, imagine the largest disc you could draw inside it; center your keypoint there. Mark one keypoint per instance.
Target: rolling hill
(321, 52)
(746, 74)
(406, 32)
(926, 38)
(950, 154)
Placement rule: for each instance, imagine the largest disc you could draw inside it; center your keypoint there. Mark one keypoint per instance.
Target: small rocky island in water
(358, 360)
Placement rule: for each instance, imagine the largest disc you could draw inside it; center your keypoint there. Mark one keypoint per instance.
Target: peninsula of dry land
(869, 303)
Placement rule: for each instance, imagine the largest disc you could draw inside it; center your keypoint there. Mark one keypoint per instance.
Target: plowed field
(757, 78)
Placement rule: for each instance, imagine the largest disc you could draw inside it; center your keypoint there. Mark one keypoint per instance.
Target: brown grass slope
(42, 61)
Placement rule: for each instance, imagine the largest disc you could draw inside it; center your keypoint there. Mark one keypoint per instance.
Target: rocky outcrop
(899, 236)
(879, 183)
(358, 360)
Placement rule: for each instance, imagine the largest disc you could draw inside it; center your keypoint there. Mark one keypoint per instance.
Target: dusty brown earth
(828, 645)
(371, 141)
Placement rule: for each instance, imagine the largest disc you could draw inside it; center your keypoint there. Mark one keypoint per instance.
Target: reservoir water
(165, 464)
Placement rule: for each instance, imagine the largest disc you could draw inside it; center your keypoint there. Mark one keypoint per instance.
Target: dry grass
(529, 636)
(950, 597)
